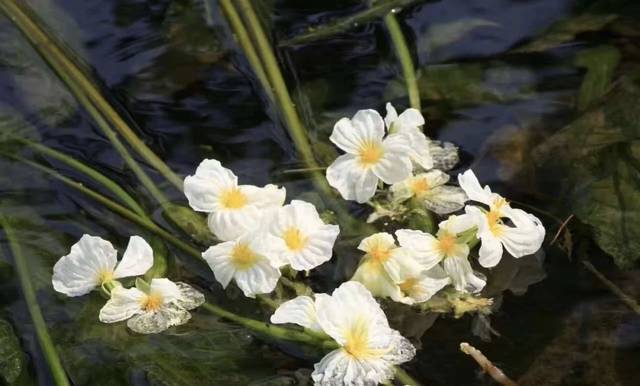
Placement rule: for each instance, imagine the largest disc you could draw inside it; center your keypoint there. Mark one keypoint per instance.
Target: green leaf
(598, 157)
(324, 31)
(601, 63)
(566, 31)
(12, 359)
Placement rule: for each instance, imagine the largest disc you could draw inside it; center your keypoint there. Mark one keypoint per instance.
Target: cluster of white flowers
(259, 235)
(148, 308)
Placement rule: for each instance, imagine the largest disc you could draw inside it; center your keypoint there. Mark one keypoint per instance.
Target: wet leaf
(599, 157)
(324, 31)
(11, 357)
(566, 31)
(601, 63)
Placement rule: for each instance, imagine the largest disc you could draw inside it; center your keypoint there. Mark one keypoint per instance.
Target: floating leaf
(566, 30)
(376, 11)
(598, 156)
(11, 356)
(600, 63)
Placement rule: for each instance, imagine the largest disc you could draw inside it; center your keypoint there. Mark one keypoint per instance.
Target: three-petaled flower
(370, 156)
(368, 347)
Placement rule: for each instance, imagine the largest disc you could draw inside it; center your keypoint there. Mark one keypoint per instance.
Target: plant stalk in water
(42, 333)
(54, 54)
(404, 57)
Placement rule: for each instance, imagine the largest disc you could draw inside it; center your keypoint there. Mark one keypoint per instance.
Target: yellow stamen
(408, 285)
(446, 243)
(152, 302)
(419, 186)
(495, 225)
(105, 276)
(294, 239)
(370, 153)
(233, 199)
(242, 257)
(357, 341)
(380, 253)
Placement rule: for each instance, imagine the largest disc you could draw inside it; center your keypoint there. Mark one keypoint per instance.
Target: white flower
(300, 311)
(418, 287)
(369, 157)
(429, 188)
(409, 124)
(445, 248)
(299, 237)
(369, 348)
(523, 238)
(233, 209)
(163, 305)
(93, 262)
(248, 260)
(384, 266)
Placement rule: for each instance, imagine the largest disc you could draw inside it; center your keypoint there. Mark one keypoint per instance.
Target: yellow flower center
(419, 186)
(408, 285)
(233, 199)
(242, 257)
(495, 225)
(152, 302)
(370, 153)
(294, 239)
(446, 243)
(357, 340)
(380, 253)
(105, 276)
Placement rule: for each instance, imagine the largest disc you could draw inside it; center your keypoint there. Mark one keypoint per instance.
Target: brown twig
(486, 364)
(626, 299)
(562, 226)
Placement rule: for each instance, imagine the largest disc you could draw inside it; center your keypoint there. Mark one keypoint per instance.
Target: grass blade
(404, 57)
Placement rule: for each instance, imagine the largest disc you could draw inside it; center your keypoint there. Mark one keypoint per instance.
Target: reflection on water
(489, 83)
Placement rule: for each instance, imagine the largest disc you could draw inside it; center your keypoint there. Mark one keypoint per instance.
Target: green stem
(68, 71)
(116, 208)
(291, 119)
(268, 329)
(405, 378)
(42, 333)
(626, 299)
(247, 46)
(91, 173)
(404, 56)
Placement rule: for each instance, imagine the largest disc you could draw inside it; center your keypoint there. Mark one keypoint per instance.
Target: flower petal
(218, 258)
(444, 155)
(166, 288)
(230, 224)
(490, 252)
(445, 199)
(350, 179)
(340, 368)
(203, 188)
(471, 186)
(123, 304)
(376, 279)
(79, 272)
(190, 298)
(136, 260)
(350, 134)
(392, 115)
(168, 315)
(462, 275)
(300, 311)
(395, 164)
(423, 247)
(270, 196)
(259, 279)
(456, 224)
(377, 241)
(421, 288)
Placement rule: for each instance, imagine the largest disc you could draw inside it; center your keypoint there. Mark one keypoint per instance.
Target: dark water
(174, 70)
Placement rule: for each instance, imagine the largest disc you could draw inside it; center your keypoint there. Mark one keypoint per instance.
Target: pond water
(541, 96)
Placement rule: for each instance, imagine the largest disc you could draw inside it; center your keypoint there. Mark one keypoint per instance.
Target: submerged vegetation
(370, 242)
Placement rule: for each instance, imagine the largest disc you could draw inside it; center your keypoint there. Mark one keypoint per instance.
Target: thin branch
(488, 367)
(626, 299)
